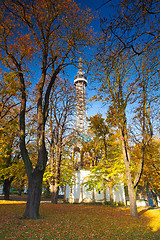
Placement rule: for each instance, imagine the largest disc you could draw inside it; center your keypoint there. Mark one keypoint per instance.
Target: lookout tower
(82, 157)
(80, 81)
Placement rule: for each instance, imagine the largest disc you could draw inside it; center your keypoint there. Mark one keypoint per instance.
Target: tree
(61, 111)
(131, 32)
(116, 89)
(151, 174)
(9, 154)
(147, 97)
(100, 129)
(138, 93)
(151, 171)
(134, 27)
(50, 32)
(67, 168)
(109, 168)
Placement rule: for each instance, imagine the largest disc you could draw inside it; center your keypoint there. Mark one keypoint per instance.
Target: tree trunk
(71, 194)
(65, 193)
(21, 188)
(34, 194)
(111, 194)
(93, 196)
(8, 181)
(47, 191)
(55, 188)
(6, 188)
(81, 192)
(131, 193)
(54, 193)
(105, 195)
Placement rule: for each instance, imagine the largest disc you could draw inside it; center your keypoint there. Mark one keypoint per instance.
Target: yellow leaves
(151, 167)
(48, 174)
(8, 92)
(153, 215)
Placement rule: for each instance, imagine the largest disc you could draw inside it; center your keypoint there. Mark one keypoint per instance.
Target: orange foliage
(23, 45)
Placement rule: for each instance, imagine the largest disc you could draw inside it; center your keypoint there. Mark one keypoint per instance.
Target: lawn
(67, 221)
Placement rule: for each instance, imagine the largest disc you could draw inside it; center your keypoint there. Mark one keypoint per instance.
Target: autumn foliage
(40, 39)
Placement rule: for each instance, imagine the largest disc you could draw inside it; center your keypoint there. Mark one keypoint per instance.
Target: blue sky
(103, 9)
(99, 8)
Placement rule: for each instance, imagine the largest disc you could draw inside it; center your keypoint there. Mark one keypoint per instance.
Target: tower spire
(80, 81)
(80, 65)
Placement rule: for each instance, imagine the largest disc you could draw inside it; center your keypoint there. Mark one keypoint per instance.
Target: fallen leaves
(69, 221)
(153, 215)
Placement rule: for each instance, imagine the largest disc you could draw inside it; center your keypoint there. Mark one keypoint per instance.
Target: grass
(67, 221)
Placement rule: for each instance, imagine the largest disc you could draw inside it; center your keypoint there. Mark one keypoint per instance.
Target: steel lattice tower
(80, 81)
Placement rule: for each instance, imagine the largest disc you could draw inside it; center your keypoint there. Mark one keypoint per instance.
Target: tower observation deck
(80, 81)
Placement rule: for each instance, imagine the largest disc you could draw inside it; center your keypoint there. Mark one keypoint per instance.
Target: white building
(78, 192)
